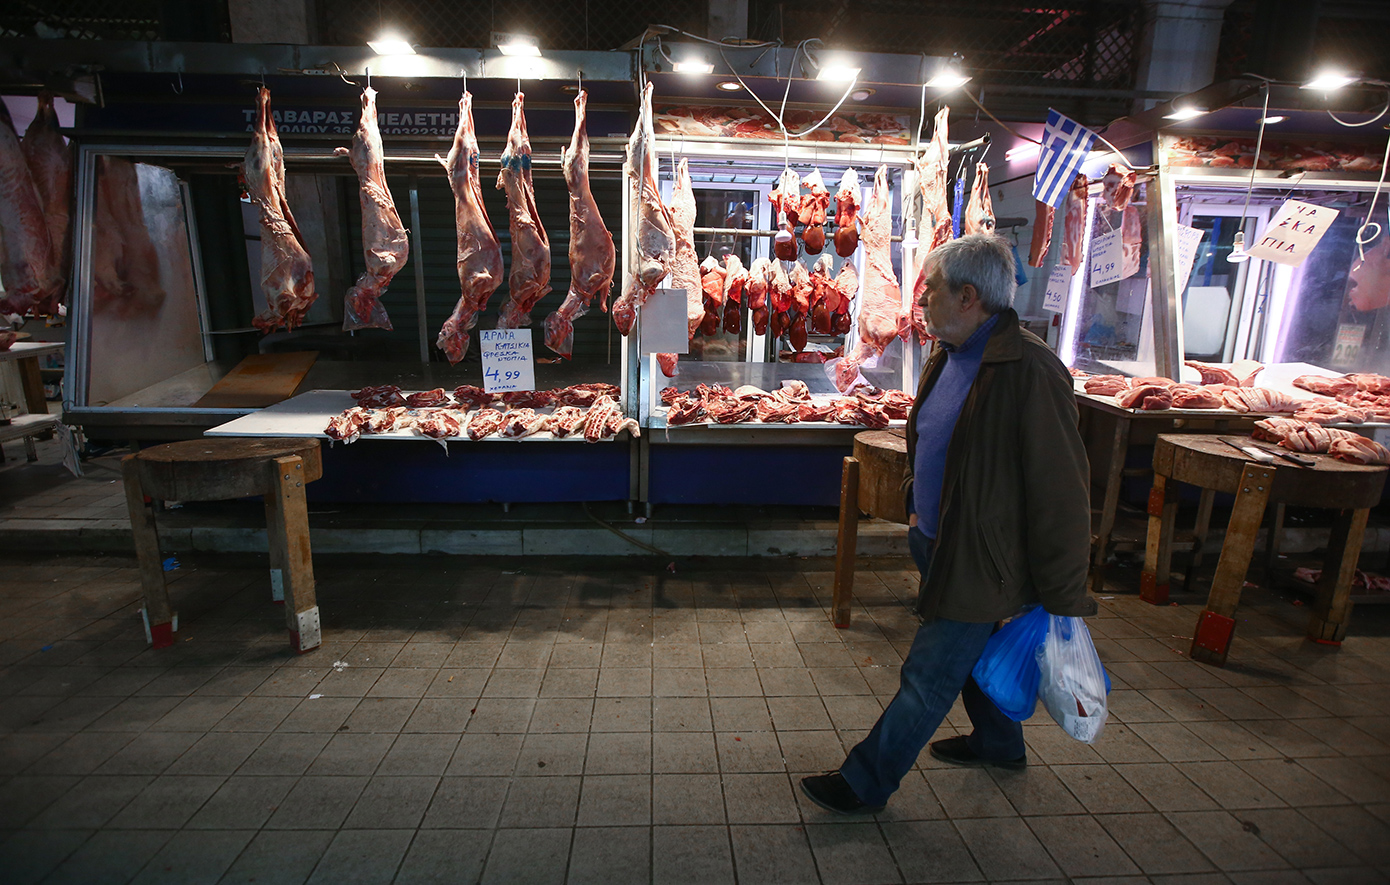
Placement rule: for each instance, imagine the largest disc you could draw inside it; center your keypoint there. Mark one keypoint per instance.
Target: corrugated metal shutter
(439, 244)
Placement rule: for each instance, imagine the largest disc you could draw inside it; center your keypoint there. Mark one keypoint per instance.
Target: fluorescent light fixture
(1238, 253)
(729, 85)
(390, 44)
(1326, 81)
(517, 44)
(1022, 152)
(1271, 120)
(837, 73)
(693, 66)
(1186, 112)
(861, 94)
(949, 76)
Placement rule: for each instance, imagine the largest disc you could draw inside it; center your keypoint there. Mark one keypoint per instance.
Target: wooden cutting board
(260, 380)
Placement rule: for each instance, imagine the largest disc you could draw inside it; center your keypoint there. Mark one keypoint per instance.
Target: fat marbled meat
(50, 164)
(591, 251)
(529, 279)
(287, 271)
(385, 246)
(27, 268)
(479, 254)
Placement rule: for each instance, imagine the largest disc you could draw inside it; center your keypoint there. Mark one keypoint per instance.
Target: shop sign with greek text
(1293, 233)
(508, 362)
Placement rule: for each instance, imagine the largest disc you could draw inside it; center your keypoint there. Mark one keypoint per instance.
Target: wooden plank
(1327, 623)
(1212, 638)
(287, 530)
(846, 544)
(1114, 475)
(260, 380)
(159, 613)
(1153, 582)
(32, 382)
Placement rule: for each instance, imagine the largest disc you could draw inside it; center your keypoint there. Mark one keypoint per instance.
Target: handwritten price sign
(1293, 232)
(1107, 260)
(508, 362)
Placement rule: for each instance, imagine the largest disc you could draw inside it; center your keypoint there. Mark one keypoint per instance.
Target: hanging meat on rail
(979, 212)
(935, 225)
(786, 205)
(735, 281)
(685, 263)
(1131, 242)
(529, 279)
(479, 253)
(1042, 234)
(27, 268)
(1074, 225)
(125, 262)
(757, 294)
(880, 313)
(847, 292)
(50, 165)
(812, 213)
(712, 284)
(801, 306)
(1117, 187)
(287, 271)
(824, 299)
(653, 246)
(847, 214)
(385, 245)
(591, 251)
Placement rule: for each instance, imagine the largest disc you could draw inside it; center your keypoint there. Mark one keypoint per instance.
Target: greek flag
(1065, 144)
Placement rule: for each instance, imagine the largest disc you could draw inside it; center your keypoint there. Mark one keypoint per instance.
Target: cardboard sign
(1349, 340)
(664, 327)
(1107, 260)
(1189, 238)
(1058, 283)
(508, 362)
(1293, 232)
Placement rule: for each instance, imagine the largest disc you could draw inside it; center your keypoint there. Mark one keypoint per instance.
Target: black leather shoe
(833, 793)
(957, 751)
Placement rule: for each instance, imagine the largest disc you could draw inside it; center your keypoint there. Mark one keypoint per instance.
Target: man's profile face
(942, 308)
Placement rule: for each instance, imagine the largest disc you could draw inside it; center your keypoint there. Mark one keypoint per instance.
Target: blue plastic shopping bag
(1008, 669)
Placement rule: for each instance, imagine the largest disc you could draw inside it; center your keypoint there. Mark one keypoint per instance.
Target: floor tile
(195, 856)
(444, 856)
(1081, 847)
(610, 854)
(242, 803)
(541, 802)
(1154, 844)
(317, 803)
(167, 802)
(691, 855)
(392, 803)
(1227, 841)
(969, 792)
(529, 855)
(772, 854)
(759, 799)
(852, 853)
(362, 856)
(1004, 848)
(466, 803)
(110, 856)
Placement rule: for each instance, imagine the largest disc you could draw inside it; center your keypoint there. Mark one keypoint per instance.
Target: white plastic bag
(1073, 683)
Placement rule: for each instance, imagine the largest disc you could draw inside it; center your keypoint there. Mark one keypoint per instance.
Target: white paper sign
(1293, 232)
(1349, 340)
(508, 362)
(1107, 259)
(664, 327)
(1058, 283)
(1189, 238)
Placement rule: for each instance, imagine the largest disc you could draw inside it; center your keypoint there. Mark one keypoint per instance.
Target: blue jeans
(937, 669)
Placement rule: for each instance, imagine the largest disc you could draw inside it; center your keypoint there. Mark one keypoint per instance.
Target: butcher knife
(1300, 460)
(1245, 447)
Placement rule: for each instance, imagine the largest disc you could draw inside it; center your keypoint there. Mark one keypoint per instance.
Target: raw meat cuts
(479, 254)
(7, 339)
(712, 284)
(1325, 386)
(1258, 399)
(50, 166)
(1042, 234)
(468, 395)
(483, 422)
(757, 294)
(438, 424)
(822, 287)
(786, 204)
(934, 227)
(1131, 242)
(812, 213)
(287, 271)
(425, 398)
(386, 420)
(801, 306)
(685, 263)
(586, 394)
(1241, 373)
(1331, 413)
(383, 397)
(881, 313)
(1275, 429)
(653, 241)
(1106, 385)
(592, 254)
(384, 243)
(528, 399)
(1074, 225)
(1117, 187)
(1137, 397)
(520, 423)
(1377, 408)
(346, 427)
(1160, 381)
(979, 212)
(566, 421)
(847, 294)
(1358, 450)
(1378, 385)
(735, 280)
(668, 363)
(27, 267)
(529, 279)
(1190, 396)
(847, 214)
(605, 420)
(125, 262)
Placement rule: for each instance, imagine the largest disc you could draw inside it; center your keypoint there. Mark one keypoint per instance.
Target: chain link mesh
(81, 19)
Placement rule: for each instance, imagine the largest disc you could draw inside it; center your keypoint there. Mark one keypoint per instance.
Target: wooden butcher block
(882, 458)
(260, 380)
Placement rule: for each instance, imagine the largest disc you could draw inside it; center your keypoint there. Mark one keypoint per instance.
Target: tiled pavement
(592, 720)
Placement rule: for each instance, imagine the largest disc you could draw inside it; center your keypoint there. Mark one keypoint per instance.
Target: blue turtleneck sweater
(936, 421)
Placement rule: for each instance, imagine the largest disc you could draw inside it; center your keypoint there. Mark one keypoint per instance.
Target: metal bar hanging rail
(746, 232)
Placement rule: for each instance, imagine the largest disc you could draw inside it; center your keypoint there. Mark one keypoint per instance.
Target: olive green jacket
(1015, 503)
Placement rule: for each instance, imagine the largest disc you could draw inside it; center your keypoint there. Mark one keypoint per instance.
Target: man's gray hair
(985, 261)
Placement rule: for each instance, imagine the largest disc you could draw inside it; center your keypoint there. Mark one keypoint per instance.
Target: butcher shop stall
(259, 256)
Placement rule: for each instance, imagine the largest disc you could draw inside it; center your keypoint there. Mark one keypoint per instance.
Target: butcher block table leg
(1110, 503)
(1199, 535)
(287, 530)
(846, 543)
(158, 614)
(1158, 551)
(1328, 621)
(1216, 625)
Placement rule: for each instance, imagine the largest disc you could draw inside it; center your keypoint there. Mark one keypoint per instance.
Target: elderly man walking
(998, 492)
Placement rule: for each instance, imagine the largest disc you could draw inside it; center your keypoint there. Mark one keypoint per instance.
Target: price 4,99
(509, 375)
